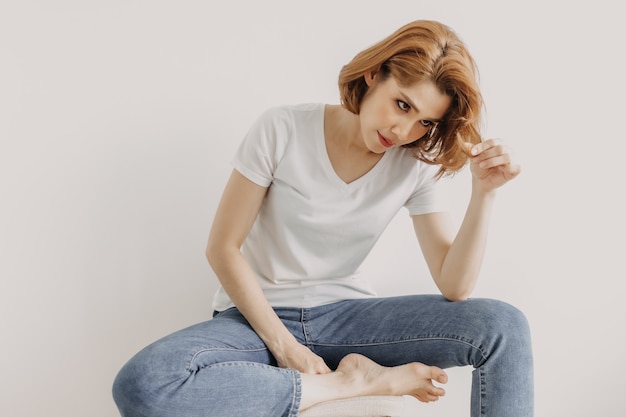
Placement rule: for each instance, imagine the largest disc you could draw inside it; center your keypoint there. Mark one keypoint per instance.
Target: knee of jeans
(140, 383)
(507, 321)
(125, 390)
(130, 389)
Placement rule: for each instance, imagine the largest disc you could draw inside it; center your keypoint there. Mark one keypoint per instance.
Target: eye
(403, 106)
(426, 123)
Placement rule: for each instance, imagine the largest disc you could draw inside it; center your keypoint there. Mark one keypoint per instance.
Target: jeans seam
(481, 390)
(194, 355)
(297, 395)
(408, 340)
(304, 318)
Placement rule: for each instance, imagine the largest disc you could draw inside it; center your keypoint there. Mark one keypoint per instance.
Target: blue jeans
(221, 368)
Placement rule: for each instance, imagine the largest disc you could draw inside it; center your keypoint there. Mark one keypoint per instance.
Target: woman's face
(392, 115)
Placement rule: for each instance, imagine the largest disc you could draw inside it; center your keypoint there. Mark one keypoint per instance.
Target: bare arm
(455, 263)
(236, 213)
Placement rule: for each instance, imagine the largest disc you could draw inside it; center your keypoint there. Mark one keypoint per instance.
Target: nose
(402, 130)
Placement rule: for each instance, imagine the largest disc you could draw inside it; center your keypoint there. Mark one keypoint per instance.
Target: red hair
(425, 50)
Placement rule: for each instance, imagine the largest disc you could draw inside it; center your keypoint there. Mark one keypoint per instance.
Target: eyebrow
(410, 103)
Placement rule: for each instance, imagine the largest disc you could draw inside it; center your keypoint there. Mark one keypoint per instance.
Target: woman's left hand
(491, 164)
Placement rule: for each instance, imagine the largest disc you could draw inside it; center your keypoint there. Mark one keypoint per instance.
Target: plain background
(118, 120)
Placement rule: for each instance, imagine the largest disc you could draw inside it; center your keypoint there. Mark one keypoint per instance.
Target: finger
(494, 161)
(492, 152)
(323, 369)
(511, 171)
(311, 369)
(318, 366)
(490, 143)
(514, 169)
(479, 148)
(467, 147)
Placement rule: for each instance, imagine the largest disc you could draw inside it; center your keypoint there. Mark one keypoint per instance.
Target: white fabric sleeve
(426, 197)
(263, 146)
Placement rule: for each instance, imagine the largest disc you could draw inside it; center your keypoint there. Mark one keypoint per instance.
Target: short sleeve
(426, 197)
(263, 146)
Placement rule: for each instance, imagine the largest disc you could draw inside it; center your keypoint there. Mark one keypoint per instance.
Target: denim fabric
(221, 368)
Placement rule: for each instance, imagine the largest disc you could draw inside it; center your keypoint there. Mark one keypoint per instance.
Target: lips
(384, 141)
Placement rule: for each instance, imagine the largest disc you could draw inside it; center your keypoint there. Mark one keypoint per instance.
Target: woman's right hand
(302, 359)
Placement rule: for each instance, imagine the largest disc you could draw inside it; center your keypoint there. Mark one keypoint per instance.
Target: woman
(313, 187)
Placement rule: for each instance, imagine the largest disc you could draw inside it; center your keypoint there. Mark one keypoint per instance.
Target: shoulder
(276, 127)
(280, 123)
(293, 113)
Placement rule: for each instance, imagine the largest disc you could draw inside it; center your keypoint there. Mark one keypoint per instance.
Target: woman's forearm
(241, 285)
(462, 263)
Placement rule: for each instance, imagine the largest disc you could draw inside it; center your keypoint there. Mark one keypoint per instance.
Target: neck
(343, 128)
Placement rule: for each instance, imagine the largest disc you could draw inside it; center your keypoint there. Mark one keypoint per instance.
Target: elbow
(455, 288)
(456, 298)
(208, 254)
(456, 294)
(212, 252)
(220, 253)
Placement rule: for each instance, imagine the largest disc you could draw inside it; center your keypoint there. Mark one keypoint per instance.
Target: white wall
(117, 122)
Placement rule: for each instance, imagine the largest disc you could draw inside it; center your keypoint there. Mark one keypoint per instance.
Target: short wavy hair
(425, 50)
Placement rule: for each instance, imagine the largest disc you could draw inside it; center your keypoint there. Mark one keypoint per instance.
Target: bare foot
(358, 376)
(414, 379)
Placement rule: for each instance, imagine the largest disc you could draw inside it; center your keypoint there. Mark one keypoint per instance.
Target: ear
(371, 77)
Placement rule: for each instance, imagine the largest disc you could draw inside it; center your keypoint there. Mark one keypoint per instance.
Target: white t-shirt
(313, 230)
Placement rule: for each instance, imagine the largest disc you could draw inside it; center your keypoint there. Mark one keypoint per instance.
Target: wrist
(279, 344)
(479, 192)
